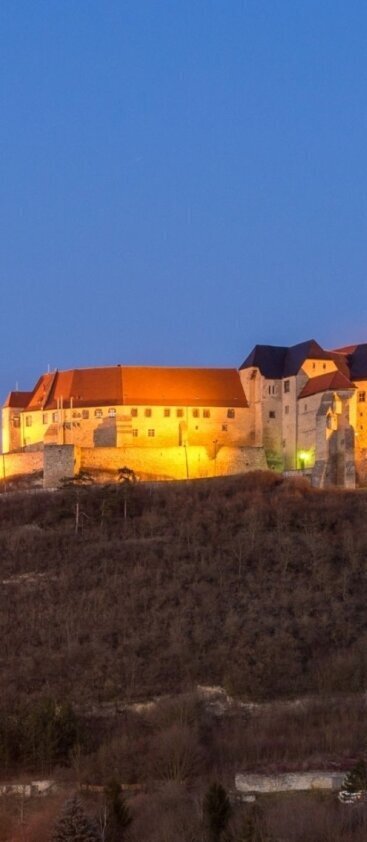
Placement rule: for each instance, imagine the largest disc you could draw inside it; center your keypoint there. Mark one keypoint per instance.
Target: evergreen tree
(217, 811)
(356, 779)
(118, 814)
(74, 825)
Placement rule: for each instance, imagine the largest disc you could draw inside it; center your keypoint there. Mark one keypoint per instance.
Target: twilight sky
(179, 179)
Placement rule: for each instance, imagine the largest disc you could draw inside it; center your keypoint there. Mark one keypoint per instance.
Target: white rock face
(288, 782)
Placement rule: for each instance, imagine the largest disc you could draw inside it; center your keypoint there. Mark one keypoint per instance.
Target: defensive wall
(20, 464)
(169, 463)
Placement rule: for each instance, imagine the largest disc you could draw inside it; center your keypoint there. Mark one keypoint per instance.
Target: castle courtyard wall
(172, 463)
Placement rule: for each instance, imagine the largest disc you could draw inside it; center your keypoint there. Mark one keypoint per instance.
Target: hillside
(254, 583)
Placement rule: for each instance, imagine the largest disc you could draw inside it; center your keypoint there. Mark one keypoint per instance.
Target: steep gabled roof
(331, 381)
(182, 387)
(138, 385)
(275, 362)
(297, 354)
(357, 362)
(269, 359)
(18, 400)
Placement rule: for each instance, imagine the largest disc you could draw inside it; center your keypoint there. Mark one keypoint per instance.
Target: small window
(324, 366)
(179, 413)
(313, 365)
(271, 414)
(85, 414)
(44, 418)
(134, 413)
(287, 385)
(55, 417)
(195, 413)
(305, 407)
(166, 413)
(206, 413)
(98, 413)
(112, 412)
(231, 413)
(16, 421)
(151, 433)
(67, 425)
(362, 397)
(135, 434)
(148, 413)
(286, 410)
(28, 420)
(224, 428)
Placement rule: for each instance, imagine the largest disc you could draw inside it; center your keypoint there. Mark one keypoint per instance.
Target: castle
(290, 409)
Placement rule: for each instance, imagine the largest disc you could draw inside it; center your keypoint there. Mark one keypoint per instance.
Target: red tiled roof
(332, 381)
(138, 385)
(187, 386)
(18, 400)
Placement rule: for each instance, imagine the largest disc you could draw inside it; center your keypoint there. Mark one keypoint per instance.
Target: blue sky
(179, 179)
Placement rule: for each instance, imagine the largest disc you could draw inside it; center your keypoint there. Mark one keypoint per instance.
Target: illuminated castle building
(288, 409)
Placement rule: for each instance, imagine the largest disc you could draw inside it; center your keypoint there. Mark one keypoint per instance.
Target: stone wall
(150, 463)
(175, 462)
(60, 461)
(20, 464)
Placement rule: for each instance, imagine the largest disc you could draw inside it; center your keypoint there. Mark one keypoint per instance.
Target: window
(271, 390)
(151, 433)
(16, 421)
(324, 366)
(85, 414)
(166, 413)
(305, 407)
(206, 413)
(362, 397)
(271, 414)
(112, 412)
(135, 434)
(230, 413)
(287, 385)
(224, 428)
(195, 413)
(286, 410)
(313, 365)
(179, 413)
(98, 413)
(44, 418)
(134, 413)
(28, 420)
(148, 413)
(55, 417)
(67, 425)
